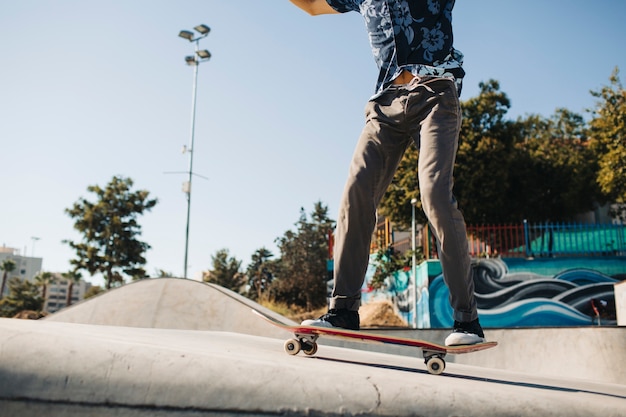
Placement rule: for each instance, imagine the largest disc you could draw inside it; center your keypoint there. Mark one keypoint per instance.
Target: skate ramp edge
(172, 303)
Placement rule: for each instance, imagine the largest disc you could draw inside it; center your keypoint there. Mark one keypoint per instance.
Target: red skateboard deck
(306, 341)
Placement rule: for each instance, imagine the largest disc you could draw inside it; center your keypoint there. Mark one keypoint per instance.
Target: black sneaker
(342, 318)
(466, 333)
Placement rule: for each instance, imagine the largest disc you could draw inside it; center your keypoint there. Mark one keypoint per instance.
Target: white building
(56, 293)
(26, 267)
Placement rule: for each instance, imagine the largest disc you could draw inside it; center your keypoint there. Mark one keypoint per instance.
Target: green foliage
(534, 168)
(389, 261)
(396, 203)
(608, 130)
(301, 273)
(161, 273)
(43, 279)
(553, 169)
(71, 277)
(110, 229)
(485, 144)
(481, 174)
(23, 295)
(260, 275)
(225, 272)
(93, 291)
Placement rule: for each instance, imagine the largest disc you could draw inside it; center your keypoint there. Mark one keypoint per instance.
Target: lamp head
(185, 34)
(203, 29)
(203, 54)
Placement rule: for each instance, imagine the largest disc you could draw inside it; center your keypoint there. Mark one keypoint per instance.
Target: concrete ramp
(175, 348)
(595, 353)
(172, 303)
(66, 369)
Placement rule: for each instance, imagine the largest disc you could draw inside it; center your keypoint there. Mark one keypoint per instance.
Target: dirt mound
(380, 314)
(28, 315)
(375, 314)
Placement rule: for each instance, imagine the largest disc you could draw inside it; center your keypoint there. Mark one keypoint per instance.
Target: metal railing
(528, 240)
(574, 239)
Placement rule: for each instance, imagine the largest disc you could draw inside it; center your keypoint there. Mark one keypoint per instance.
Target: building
(56, 293)
(26, 267)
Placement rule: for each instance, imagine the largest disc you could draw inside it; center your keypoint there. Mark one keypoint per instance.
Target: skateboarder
(416, 101)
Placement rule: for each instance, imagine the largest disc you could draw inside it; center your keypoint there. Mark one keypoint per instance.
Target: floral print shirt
(411, 35)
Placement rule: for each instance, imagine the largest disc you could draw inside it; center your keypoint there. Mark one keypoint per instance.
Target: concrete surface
(67, 369)
(172, 347)
(596, 353)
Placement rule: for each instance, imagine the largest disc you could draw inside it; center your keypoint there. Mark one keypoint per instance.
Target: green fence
(524, 240)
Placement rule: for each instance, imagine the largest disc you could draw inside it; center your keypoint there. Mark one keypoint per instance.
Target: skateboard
(305, 340)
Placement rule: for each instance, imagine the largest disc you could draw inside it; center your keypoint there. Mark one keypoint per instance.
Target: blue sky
(92, 89)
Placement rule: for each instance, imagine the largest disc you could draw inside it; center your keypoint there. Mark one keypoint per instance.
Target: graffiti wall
(570, 297)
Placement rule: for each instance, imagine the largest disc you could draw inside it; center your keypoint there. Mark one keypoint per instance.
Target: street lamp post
(193, 60)
(413, 262)
(32, 251)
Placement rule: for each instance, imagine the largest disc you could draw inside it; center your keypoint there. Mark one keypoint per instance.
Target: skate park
(176, 347)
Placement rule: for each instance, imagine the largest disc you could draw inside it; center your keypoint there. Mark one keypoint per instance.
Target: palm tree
(8, 266)
(44, 279)
(72, 277)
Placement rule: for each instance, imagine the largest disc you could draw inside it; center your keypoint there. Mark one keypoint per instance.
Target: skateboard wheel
(435, 365)
(292, 346)
(309, 348)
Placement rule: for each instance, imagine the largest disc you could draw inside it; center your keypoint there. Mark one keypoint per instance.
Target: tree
(161, 273)
(110, 244)
(389, 261)
(225, 272)
(8, 266)
(481, 174)
(43, 279)
(302, 269)
(553, 170)
(71, 277)
(23, 295)
(396, 203)
(259, 274)
(608, 130)
(534, 168)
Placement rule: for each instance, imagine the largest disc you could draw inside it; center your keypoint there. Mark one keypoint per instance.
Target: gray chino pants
(425, 112)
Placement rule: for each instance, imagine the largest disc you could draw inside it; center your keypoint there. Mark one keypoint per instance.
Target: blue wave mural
(573, 297)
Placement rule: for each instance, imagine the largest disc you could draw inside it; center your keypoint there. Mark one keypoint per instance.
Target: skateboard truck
(307, 343)
(434, 360)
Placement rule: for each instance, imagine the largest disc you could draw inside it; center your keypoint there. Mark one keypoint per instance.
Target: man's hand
(314, 7)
